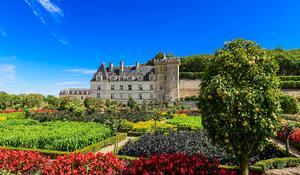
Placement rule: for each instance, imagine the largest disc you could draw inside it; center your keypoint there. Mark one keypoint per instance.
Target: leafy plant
(239, 98)
(61, 136)
(186, 121)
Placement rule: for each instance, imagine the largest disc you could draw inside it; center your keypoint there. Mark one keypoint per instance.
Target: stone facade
(158, 83)
(80, 93)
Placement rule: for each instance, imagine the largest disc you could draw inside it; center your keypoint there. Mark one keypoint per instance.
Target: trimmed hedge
(290, 84)
(278, 163)
(191, 75)
(289, 78)
(289, 104)
(91, 148)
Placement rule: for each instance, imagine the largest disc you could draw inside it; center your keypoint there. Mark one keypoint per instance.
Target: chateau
(158, 83)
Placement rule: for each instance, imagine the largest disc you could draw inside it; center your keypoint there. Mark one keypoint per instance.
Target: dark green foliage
(288, 60)
(190, 143)
(159, 55)
(290, 84)
(195, 63)
(191, 75)
(289, 104)
(289, 78)
(131, 103)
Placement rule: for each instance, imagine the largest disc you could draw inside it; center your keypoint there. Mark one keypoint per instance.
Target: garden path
(281, 144)
(285, 171)
(111, 147)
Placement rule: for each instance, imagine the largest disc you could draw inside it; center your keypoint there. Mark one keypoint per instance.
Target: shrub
(177, 163)
(289, 104)
(21, 162)
(85, 164)
(289, 78)
(290, 84)
(278, 163)
(61, 136)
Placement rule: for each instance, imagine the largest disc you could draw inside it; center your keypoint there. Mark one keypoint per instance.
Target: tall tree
(239, 98)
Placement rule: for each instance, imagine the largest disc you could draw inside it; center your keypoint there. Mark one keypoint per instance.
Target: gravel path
(284, 171)
(295, 152)
(111, 148)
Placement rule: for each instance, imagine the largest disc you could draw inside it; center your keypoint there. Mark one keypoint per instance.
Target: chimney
(111, 67)
(137, 65)
(122, 66)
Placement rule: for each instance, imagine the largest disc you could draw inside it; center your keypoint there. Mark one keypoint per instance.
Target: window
(140, 87)
(98, 95)
(75, 92)
(161, 87)
(99, 78)
(129, 87)
(151, 96)
(141, 78)
(151, 87)
(112, 87)
(70, 92)
(129, 95)
(130, 78)
(99, 87)
(121, 78)
(152, 78)
(80, 92)
(140, 96)
(121, 95)
(121, 87)
(161, 78)
(112, 96)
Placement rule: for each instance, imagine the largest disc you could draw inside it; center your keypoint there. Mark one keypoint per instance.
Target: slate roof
(142, 70)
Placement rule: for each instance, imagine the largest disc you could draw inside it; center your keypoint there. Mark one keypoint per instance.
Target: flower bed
(190, 143)
(186, 121)
(27, 162)
(61, 136)
(178, 163)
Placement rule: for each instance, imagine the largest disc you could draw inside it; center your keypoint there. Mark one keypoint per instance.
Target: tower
(167, 79)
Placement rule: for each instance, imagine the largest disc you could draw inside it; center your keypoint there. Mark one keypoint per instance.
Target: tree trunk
(244, 168)
(287, 146)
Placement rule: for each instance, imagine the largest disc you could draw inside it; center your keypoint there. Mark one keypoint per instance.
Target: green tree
(131, 103)
(93, 103)
(239, 99)
(159, 55)
(52, 102)
(289, 104)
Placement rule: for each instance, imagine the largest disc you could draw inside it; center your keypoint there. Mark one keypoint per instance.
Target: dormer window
(130, 78)
(99, 78)
(152, 78)
(141, 78)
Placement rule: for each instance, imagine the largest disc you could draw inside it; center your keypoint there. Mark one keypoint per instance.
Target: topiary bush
(289, 104)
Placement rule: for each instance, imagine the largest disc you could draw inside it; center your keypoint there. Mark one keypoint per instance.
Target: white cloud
(69, 83)
(2, 32)
(7, 72)
(51, 7)
(82, 71)
(51, 15)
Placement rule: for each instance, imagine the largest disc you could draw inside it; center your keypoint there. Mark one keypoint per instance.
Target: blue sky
(48, 45)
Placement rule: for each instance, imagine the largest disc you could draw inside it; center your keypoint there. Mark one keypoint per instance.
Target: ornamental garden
(243, 124)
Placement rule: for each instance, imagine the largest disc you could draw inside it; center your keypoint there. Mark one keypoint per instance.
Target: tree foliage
(239, 98)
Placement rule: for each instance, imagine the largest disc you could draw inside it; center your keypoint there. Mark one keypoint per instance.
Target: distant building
(80, 93)
(158, 83)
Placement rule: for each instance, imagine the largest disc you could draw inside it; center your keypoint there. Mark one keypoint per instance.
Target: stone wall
(188, 88)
